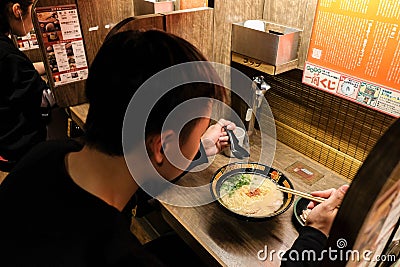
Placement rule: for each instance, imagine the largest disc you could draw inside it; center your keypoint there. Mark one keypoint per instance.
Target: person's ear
(16, 8)
(159, 143)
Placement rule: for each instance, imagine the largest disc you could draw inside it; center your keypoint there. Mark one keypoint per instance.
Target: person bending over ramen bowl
(21, 93)
(70, 214)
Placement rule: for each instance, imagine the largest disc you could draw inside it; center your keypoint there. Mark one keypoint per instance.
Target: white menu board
(62, 38)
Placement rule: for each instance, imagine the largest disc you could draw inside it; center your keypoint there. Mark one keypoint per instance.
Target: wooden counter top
(222, 239)
(78, 114)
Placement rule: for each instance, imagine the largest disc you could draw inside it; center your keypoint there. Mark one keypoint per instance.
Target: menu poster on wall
(62, 38)
(355, 52)
(27, 42)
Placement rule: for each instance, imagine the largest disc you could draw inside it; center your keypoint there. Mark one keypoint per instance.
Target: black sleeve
(307, 250)
(21, 96)
(200, 158)
(25, 81)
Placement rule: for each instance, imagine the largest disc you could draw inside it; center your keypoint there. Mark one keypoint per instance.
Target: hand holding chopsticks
(301, 194)
(321, 216)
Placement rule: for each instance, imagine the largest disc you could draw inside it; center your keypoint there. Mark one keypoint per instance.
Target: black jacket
(307, 250)
(21, 89)
(48, 220)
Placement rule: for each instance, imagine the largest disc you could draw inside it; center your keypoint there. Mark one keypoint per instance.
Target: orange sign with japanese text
(355, 52)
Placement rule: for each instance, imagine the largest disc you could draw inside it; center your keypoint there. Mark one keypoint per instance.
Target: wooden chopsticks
(301, 194)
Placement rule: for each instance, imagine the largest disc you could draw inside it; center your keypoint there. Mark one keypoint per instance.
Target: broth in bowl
(232, 187)
(263, 200)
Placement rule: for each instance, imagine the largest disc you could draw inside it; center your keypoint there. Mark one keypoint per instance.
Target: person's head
(124, 62)
(15, 17)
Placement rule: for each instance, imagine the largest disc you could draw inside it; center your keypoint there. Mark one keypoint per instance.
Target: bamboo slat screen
(331, 130)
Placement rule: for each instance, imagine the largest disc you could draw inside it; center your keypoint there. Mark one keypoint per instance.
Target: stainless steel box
(273, 44)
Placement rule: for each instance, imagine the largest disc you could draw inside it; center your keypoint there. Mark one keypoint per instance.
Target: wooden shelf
(262, 66)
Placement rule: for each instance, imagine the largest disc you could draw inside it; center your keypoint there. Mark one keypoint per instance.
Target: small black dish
(299, 205)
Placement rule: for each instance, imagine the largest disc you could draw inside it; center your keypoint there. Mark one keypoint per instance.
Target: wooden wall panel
(194, 25)
(293, 13)
(103, 14)
(286, 12)
(154, 21)
(187, 4)
(307, 29)
(226, 12)
(35, 55)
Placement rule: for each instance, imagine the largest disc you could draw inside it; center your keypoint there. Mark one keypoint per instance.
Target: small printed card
(304, 172)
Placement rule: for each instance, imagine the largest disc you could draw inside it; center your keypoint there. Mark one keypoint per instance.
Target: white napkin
(258, 25)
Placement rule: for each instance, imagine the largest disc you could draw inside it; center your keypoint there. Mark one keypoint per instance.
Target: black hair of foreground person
(21, 86)
(131, 59)
(71, 213)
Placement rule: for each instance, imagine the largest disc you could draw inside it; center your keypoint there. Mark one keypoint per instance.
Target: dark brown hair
(124, 62)
(6, 12)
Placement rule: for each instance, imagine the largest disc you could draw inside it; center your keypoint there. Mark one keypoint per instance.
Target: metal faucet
(259, 87)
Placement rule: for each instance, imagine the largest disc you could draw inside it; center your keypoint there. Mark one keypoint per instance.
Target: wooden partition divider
(101, 15)
(194, 25)
(98, 18)
(342, 150)
(227, 12)
(35, 55)
(145, 22)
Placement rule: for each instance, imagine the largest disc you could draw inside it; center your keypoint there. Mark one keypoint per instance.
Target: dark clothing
(142, 202)
(21, 91)
(310, 239)
(48, 220)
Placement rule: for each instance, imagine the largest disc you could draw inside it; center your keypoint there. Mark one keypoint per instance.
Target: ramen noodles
(236, 195)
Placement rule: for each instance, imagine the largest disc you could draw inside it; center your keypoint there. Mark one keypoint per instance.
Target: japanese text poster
(355, 52)
(62, 37)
